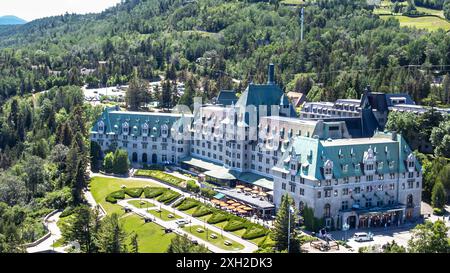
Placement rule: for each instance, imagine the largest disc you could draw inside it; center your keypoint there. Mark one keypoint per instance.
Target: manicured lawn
(239, 232)
(293, 2)
(160, 175)
(430, 23)
(137, 204)
(164, 215)
(151, 237)
(436, 12)
(219, 241)
(100, 187)
(190, 211)
(221, 224)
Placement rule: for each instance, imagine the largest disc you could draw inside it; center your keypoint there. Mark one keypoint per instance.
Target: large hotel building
(344, 167)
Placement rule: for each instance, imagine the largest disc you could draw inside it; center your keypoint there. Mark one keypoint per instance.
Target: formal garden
(214, 238)
(239, 226)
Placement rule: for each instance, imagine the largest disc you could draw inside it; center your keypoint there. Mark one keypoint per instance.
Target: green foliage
(114, 196)
(255, 231)
(284, 224)
(168, 196)
(218, 216)
(192, 186)
(160, 175)
(121, 162)
(112, 236)
(429, 238)
(202, 210)
(108, 163)
(188, 203)
(236, 223)
(440, 138)
(182, 244)
(438, 196)
(438, 211)
(134, 192)
(152, 192)
(207, 192)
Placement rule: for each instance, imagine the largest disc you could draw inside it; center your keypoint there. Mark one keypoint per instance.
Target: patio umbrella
(241, 207)
(223, 204)
(255, 187)
(215, 201)
(240, 186)
(247, 189)
(263, 194)
(255, 192)
(235, 205)
(242, 211)
(248, 208)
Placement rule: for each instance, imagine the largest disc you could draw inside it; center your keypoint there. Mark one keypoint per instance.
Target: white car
(182, 222)
(362, 237)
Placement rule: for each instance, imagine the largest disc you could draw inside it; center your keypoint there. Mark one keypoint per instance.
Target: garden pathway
(46, 245)
(248, 247)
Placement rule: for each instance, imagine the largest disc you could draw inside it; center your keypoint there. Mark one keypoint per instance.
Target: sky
(34, 9)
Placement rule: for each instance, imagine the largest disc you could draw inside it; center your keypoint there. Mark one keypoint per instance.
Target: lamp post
(291, 210)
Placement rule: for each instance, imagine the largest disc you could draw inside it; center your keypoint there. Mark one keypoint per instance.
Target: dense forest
(345, 48)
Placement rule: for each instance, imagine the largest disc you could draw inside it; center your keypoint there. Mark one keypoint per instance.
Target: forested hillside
(346, 47)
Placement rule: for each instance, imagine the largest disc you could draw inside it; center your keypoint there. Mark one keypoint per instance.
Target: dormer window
(328, 169)
(164, 130)
(345, 168)
(145, 129)
(101, 127)
(125, 128)
(411, 161)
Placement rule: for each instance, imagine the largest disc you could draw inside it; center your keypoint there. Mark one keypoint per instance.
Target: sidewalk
(248, 247)
(46, 245)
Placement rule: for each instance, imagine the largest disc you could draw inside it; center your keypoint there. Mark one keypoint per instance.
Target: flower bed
(160, 175)
(154, 192)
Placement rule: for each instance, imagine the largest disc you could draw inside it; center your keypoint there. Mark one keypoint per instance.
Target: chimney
(271, 78)
(394, 136)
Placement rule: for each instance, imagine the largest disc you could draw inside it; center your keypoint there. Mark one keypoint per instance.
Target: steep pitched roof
(227, 97)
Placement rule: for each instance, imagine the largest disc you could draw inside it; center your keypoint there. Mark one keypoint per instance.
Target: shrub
(134, 192)
(202, 210)
(154, 192)
(112, 197)
(235, 224)
(67, 211)
(188, 203)
(168, 196)
(218, 216)
(207, 192)
(438, 211)
(254, 231)
(160, 175)
(192, 186)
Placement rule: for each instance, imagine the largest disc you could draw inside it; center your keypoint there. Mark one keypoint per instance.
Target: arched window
(144, 157)
(327, 211)
(328, 169)
(134, 157)
(101, 127)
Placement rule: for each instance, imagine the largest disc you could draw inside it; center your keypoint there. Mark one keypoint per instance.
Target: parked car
(362, 237)
(181, 222)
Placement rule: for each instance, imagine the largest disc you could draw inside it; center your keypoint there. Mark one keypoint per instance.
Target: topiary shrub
(188, 203)
(154, 192)
(254, 231)
(235, 224)
(168, 196)
(134, 192)
(112, 197)
(202, 210)
(218, 216)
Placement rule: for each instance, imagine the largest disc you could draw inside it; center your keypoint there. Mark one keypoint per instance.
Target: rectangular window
(283, 186)
(345, 191)
(292, 185)
(327, 193)
(319, 194)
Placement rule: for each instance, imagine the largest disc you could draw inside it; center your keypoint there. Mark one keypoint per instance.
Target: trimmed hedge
(168, 196)
(236, 224)
(254, 231)
(112, 197)
(202, 210)
(188, 203)
(160, 175)
(218, 216)
(154, 192)
(134, 192)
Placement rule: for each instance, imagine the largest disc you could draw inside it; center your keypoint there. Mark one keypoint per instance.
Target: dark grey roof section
(227, 97)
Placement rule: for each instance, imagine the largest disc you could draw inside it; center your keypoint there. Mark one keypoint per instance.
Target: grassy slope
(219, 241)
(430, 23)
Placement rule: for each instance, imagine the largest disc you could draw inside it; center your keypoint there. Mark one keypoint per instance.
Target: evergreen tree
(82, 229)
(112, 236)
(108, 163)
(134, 243)
(182, 244)
(281, 226)
(121, 162)
(438, 196)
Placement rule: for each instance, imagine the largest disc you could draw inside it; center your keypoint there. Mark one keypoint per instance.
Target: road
(248, 247)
